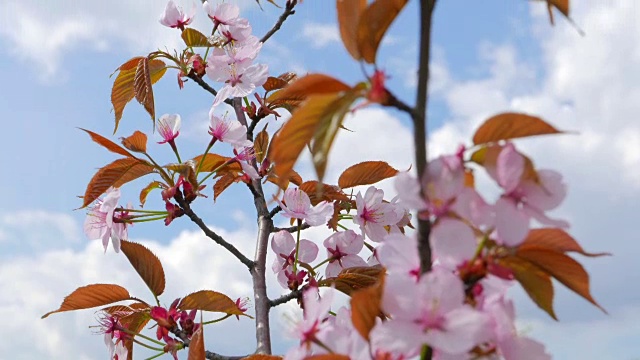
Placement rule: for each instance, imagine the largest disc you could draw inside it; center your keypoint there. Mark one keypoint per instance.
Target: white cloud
(321, 35)
(29, 230)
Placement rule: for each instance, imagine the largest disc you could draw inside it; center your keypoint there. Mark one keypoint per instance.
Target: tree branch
(211, 234)
(393, 101)
(208, 354)
(288, 10)
(203, 84)
(265, 226)
(285, 298)
(274, 211)
(292, 229)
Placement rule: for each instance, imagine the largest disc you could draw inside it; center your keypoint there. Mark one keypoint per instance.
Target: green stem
(147, 346)
(215, 170)
(175, 150)
(213, 141)
(163, 173)
(323, 262)
(426, 352)
(156, 356)
(217, 320)
(342, 226)
(140, 335)
(156, 212)
(148, 219)
(479, 249)
(297, 246)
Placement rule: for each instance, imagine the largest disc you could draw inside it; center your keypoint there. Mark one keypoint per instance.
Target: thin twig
(399, 104)
(208, 354)
(292, 229)
(211, 234)
(288, 10)
(286, 298)
(274, 211)
(203, 84)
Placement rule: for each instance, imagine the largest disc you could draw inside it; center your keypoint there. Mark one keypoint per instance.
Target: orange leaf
(261, 144)
(554, 239)
(510, 126)
(348, 15)
(115, 174)
(355, 278)
(561, 5)
(194, 38)
(137, 142)
(322, 192)
(274, 83)
(365, 173)
(90, 296)
(134, 322)
(147, 189)
(365, 307)
(223, 183)
(108, 144)
(123, 87)
(146, 264)
(131, 63)
(209, 300)
(297, 132)
(142, 88)
(312, 84)
(563, 268)
(535, 281)
(373, 24)
(196, 346)
(212, 162)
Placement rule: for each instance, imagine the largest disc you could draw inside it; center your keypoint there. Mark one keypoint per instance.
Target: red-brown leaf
(261, 144)
(115, 174)
(365, 307)
(212, 162)
(554, 239)
(535, 281)
(312, 84)
(147, 189)
(348, 15)
(563, 268)
(108, 144)
(90, 296)
(561, 5)
(322, 192)
(209, 300)
(137, 142)
(131, 63)
(353, 279)
(274, 83)
(510, 126)
(142, 88)
(223, 183)
(365, 173)
(196, 346)
(373, 24)
(146, 264)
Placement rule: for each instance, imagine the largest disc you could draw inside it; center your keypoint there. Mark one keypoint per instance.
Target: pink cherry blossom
(453, 242)
(169, 127)
(430, 312)
(174, 17)
(224, 13)
(399, 254)
(284, 246)
(313, 327)
(239, 31)
(244, 156)
(231, 132)
(343, 248)
(297, 205)
(239, 81)
(100, 223)
(373, 214)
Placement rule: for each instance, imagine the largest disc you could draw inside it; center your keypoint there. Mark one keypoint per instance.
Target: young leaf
(312, 84)
(146, 264)
(108, 144)
(195, 38)
(134, 322)
(196, 346)
(131, 63)
(115, 174)
(365, 307)
(553, 239)
(142, 88)
(355, 278)
(274, 83)
(322, 192)
(137, 142)
(373, 24)
(209, 300)
(123, 87)
(147, 189)
(261, 144)
(328, 126)
(348, 15)
(223, 183)
(365, 173)
(535, 281)
(563, 268)
(90, 296)
(295, 134)
(510, 126)
(213, 161)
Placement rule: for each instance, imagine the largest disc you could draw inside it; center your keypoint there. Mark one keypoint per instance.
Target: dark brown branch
(208, 354)
(292, 229)
(285, 298)
(393, 101)
(211, 234)
(274, 211)
(203, 84)
(288, 10)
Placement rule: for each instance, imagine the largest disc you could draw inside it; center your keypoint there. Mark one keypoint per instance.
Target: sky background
(489, 56)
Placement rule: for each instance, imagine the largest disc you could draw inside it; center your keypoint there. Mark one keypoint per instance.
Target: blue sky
(488, 57)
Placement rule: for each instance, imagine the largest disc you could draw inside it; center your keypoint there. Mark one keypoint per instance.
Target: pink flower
(169, 127)
(225, 13)
(313, 327)
(240, 81)
(243, 305)
(100, 223)
(374, 214)
(174, 17)
(453, 242)
(239, 31)
(399, 254)
(172, 347)
(244, 158)
(284, 246)
(298, 206)
(343, 248)
(231, 132)
(430, 312)
(112, 329)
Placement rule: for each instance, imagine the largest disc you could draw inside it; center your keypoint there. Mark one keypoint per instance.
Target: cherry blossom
(452, 242)
(312, 328)
(244, 156)
(374, 214)
(101, 223)
(231, 132)
(284, 246)
(342, 250)
(297, 205)
(225, 13)
(174, 17)
(399, 254)
(239, 81)
(169, 127)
